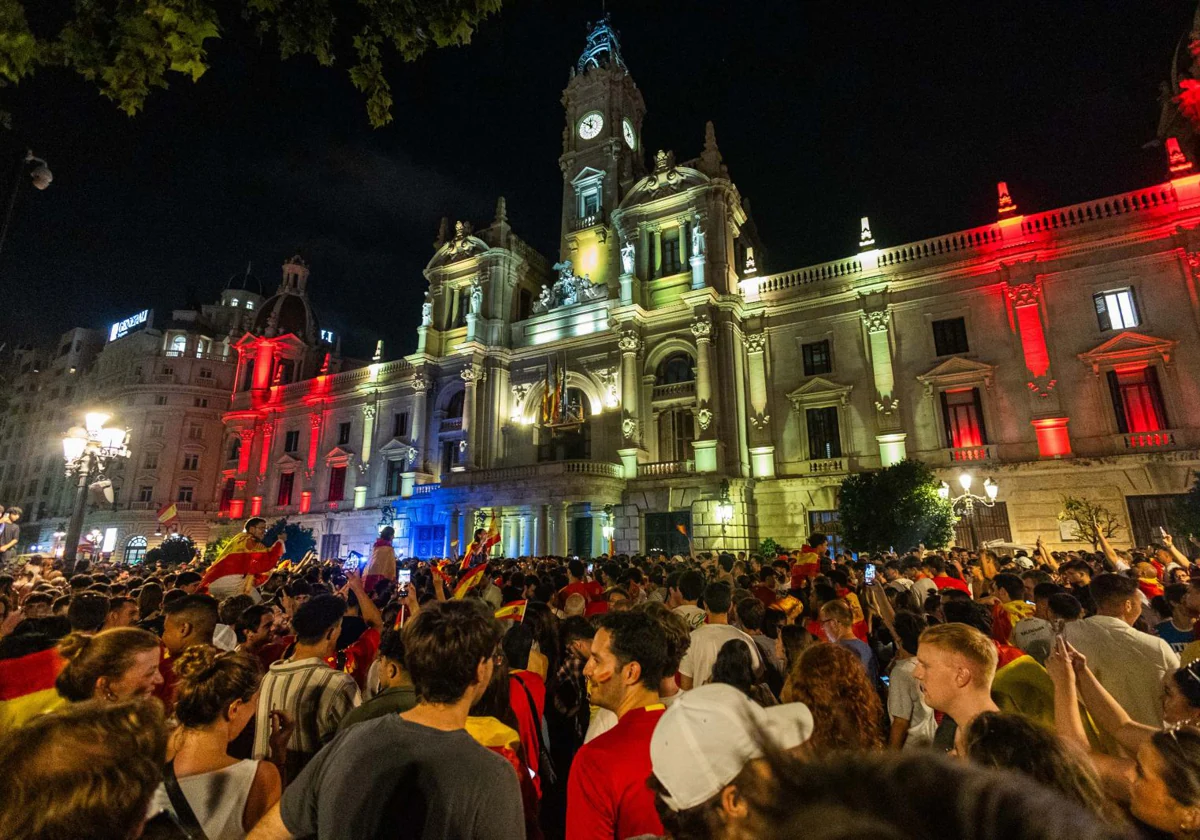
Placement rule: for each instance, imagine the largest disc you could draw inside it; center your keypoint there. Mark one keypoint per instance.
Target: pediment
(818, 389)
(1129, 346)
(957, 370)
(457, 249)
(665, 182)
(588, 173)
(398, 450)
(339, 455)
(287, 460)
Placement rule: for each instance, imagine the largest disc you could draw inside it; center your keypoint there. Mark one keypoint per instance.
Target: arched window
(677, 367)
(178, 345)
(135, 551)
(455, 408)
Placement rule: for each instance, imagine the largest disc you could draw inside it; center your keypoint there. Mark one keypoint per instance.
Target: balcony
(674, 391)
(163, 379)
(451, 424)
(584, 222)
(531, 472)
(665, 469)
(826, 466)
(970, 454)
(426, 489)
(1141, 441)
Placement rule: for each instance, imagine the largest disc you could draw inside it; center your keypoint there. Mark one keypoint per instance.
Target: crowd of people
(816, 693)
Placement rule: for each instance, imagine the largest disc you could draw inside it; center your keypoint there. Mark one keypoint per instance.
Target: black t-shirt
(389, 778)
(9, 531)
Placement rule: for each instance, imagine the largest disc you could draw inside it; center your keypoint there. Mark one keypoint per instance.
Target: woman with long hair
(113, 665)
(734, 667)
(847, 713)
(215, 697)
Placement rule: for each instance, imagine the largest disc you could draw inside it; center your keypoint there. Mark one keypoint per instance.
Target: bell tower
(602, 153)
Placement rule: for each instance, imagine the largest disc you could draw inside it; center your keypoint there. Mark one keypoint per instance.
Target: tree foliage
(129, 47)
(769, 549)
(1185, 518)
(300, 540)
(171, 552)
(895, 507)
(1090, 518)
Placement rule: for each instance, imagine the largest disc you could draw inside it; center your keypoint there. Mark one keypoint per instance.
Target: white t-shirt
(1130, 664)
(906, 701)
(706, 644)
(693, 615)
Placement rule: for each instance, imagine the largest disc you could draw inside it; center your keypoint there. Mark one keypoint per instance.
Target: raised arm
(370, 612)
(1180, 557)
(1067, 719)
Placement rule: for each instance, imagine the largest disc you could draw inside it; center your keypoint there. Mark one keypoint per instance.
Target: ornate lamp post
(39, 175)
(608, 528)
(88, 450)
(964, 504)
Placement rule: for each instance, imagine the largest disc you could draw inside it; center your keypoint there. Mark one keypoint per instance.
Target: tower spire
(710, 158)
(602, 47)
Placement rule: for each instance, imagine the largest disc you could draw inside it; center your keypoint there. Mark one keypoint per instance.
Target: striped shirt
(316, 697)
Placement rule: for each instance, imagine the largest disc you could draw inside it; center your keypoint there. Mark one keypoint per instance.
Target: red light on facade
(1176, 162)
(1007, 206)
(1052, 437)
(256, 506)
(1033, 340)
(237, 507)
(305, 501)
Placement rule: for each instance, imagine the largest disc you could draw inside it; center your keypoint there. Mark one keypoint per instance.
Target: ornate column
(416, 431)
(1049, 420)
(705, 445)
(698, 255)
(879, 349)
(268, 433)
(542, 531)
(762, 454)
(247, 438)
(561, 542)
(630, 344)
(362, 488)
(470, 375)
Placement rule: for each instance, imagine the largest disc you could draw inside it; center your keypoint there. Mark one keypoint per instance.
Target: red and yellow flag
(512, 611)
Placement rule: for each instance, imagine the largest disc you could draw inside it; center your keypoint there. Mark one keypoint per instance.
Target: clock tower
(602, 154)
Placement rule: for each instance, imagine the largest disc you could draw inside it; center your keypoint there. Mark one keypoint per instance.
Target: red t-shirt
(765, 593)
(607, 797)
(591, 590)
(359, 656)
(947, 582)
(527, 718)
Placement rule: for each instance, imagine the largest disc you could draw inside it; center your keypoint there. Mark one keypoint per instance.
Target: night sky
(824, 111)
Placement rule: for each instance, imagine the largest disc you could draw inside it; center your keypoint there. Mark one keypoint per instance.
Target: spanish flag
(168, 514)
(475, 560)
(512, 611)
(27, 687)
(244, 555)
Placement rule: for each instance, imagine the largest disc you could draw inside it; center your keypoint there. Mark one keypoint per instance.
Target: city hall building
(647, 376)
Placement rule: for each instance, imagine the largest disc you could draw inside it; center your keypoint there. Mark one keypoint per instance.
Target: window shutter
(946, 422)
(983, 438)
(814, 434)
(1156, 394)
(834, 432)
(1102, 312)
(1114, 389)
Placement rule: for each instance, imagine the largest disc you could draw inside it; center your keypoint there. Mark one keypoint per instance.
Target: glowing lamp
(944, 491)
(965, 480)
(95, 420)
(74, 443)
(991, 488)
(608, 531)
(113, 438)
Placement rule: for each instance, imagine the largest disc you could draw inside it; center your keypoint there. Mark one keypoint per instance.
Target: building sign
(125, 326)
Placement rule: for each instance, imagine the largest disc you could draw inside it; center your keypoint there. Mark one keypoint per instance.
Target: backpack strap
(184, 814)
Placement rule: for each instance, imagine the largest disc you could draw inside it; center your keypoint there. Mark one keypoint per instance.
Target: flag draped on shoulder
(244, 555)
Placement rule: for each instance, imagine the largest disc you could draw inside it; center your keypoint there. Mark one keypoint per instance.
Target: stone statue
(697, 238)
(565, 270)
(544, 300)
(476, 298)
(426, 314)
(627, 253)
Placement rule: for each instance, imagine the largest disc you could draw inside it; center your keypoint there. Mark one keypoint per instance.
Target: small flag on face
(514, 611)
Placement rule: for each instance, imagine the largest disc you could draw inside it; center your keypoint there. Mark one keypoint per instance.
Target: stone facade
(651, 379)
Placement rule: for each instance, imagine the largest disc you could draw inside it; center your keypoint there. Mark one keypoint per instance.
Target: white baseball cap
(706, 737)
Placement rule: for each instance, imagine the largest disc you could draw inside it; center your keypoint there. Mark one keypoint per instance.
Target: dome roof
(287, 312)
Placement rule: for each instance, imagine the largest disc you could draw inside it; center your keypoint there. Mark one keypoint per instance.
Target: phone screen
(869, 576)
(404, 577)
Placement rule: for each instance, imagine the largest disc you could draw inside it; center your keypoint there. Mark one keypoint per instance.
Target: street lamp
(87, 451)
(39, 176)
(964, 504)
(608, 529)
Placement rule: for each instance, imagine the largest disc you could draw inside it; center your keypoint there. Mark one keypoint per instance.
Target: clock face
(590, 125)
(630, 137)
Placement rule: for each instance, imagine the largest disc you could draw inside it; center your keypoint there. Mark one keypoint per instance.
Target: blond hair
(109, 653)
(967, 642)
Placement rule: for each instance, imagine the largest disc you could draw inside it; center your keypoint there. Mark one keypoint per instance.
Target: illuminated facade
(649, 374)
